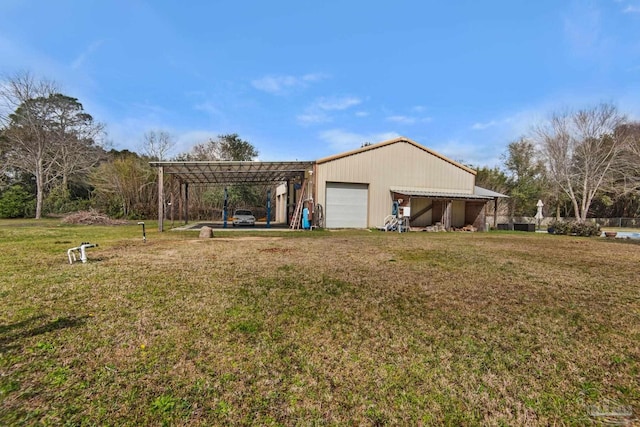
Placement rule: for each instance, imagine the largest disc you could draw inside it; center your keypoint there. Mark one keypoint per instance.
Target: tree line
(54, 159)
(582, 163)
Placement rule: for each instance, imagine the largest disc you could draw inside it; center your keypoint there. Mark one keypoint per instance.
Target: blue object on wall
(305, 219)
(394, 208)
(269, 208)
(224, 209)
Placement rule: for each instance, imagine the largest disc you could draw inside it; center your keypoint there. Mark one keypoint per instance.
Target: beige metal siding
(281, 203)
(457, 214)
(417, 205)
(397, 164)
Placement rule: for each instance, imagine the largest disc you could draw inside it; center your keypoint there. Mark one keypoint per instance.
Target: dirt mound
(91, 218)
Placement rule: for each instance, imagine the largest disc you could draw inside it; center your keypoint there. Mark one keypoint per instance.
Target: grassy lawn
(359, 328)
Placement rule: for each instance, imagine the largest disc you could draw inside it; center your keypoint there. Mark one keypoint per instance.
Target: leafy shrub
(576, 228)
(59, 201)
(16, 202)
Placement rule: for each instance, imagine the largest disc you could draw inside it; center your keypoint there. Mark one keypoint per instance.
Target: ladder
(297, 213)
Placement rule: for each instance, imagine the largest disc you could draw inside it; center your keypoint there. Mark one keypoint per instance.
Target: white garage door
(346, 205)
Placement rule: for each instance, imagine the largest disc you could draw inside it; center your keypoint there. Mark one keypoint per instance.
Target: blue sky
(304, 80)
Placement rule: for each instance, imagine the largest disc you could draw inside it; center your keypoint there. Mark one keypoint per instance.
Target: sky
(304, 80)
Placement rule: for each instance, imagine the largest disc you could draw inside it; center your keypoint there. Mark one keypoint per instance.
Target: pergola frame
(225, 172)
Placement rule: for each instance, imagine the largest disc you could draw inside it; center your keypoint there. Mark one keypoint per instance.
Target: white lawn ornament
(82, 250)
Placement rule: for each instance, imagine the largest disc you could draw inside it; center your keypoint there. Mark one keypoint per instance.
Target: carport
(226, 173)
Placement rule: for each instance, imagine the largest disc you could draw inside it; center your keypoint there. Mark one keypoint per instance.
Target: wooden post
(161, 199)
(186, 202)
(446, 220)
(495, 213)
(172, 205)
(288, 203)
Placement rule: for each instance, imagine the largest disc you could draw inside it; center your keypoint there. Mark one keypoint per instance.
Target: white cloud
(209, 108)
(275, 84)
(129, 134)
(405, 120)
(340, 140)
(337, 103)
(584, 33)
(317, 112)
(281, 84)
(408, 120)
(482, 126)
(80, 60)
(632, 9)
(362, 113)
(513, 126)
(17, 57)
(313, 118)
(470, 153)
(186, 140)
(314, 77)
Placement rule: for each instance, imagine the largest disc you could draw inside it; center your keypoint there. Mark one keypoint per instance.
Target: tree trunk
(39, 189)
(576, 208)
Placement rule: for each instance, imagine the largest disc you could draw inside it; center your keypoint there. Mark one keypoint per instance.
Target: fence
(604, 222)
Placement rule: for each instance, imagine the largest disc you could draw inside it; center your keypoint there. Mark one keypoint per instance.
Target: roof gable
(401, 139)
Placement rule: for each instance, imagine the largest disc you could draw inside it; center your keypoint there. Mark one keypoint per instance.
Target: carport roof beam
(228, 172)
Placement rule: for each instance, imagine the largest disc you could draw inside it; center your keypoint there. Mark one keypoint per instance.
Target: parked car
(243, 217)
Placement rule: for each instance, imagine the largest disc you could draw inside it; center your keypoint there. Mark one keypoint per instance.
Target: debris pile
(437, 227)
(91, 217)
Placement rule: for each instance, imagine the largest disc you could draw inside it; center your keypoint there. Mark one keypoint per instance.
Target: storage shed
(357, 188)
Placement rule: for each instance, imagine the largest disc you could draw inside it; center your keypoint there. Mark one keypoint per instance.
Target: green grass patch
(335, 328)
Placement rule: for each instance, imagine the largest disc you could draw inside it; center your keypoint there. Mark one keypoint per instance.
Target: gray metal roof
(478, 194)
(228, 172)
(486, 192)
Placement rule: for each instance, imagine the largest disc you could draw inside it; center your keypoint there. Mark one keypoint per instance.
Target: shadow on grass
(11, 326)
(11, 333)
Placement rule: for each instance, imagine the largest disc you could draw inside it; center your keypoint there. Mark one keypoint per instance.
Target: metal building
(357, 189)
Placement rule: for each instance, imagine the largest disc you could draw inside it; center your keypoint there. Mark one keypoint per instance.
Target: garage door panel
(346, 205)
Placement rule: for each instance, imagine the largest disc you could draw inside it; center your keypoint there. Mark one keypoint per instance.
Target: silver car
(243, 217)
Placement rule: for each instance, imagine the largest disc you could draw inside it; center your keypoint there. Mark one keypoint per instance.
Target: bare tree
(46, 134)
(581, 151)
(156, 144)
(27, 143)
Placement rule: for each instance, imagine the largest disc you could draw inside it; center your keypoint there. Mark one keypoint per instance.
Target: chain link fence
(603, 222)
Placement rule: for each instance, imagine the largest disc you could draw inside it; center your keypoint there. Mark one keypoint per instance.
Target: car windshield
(243, 212)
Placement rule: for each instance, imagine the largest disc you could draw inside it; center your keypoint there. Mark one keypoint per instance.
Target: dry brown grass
(323, 328)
